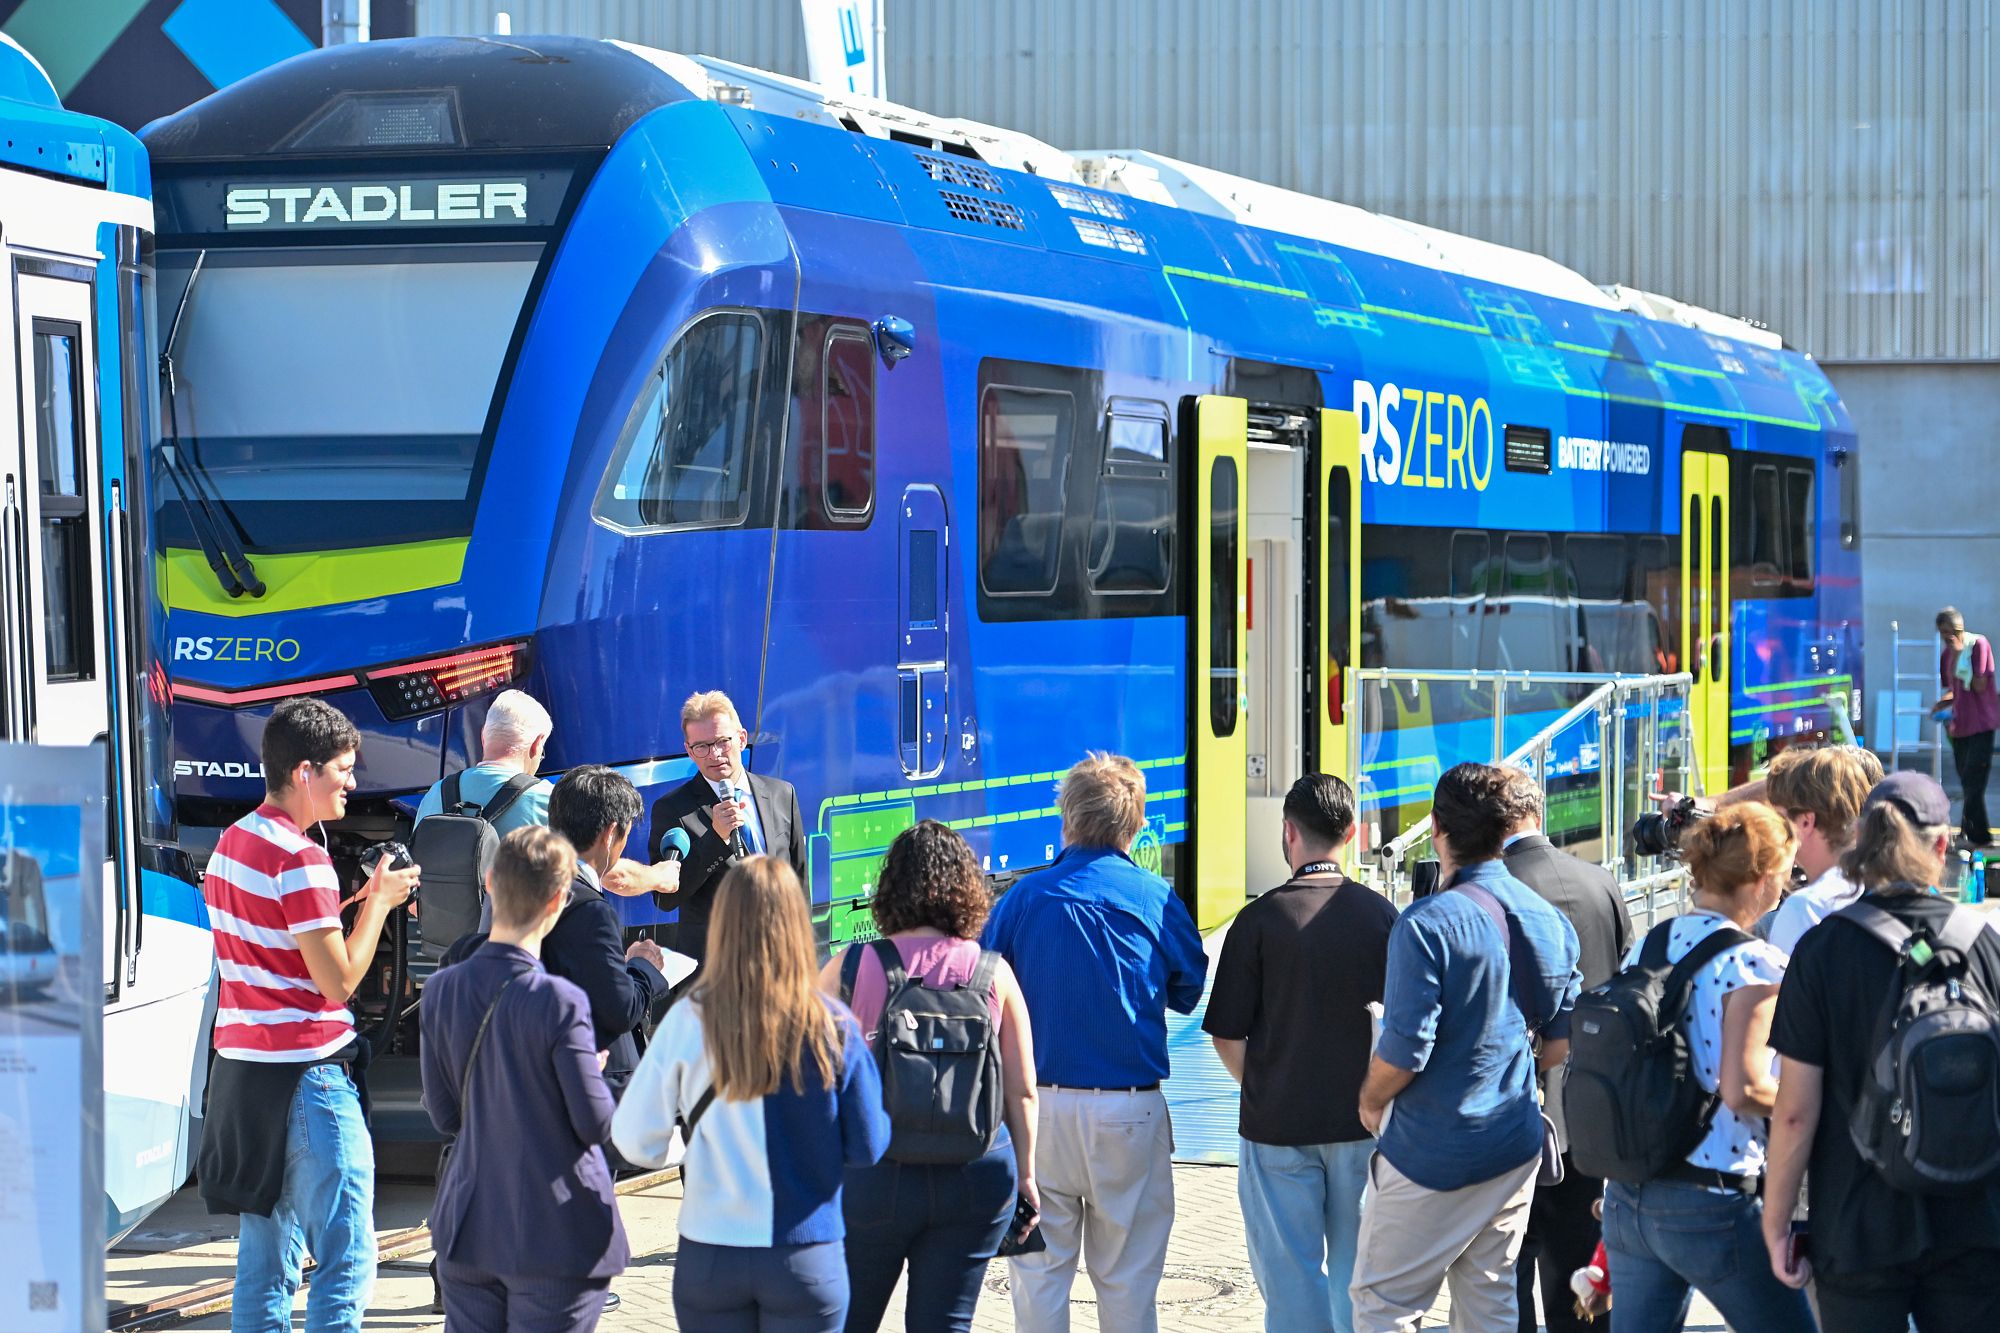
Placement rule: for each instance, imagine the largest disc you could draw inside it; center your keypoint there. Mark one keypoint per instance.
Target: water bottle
(1960, 873)
(1975, 888)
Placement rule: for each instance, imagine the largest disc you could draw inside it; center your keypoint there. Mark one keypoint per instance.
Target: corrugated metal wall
(1826, 166)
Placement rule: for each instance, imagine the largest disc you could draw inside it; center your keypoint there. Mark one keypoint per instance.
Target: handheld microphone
(674, 844)
(741, 797)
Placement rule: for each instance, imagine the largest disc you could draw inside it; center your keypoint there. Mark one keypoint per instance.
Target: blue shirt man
(1448, 1016)
(1476, 975)
(1102, 950)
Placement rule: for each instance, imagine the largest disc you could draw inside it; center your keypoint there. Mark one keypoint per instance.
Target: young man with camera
(287, 1145)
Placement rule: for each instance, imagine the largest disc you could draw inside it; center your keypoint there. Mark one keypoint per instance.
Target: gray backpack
(1927, 1117)
(456, 847)
(939, 1053)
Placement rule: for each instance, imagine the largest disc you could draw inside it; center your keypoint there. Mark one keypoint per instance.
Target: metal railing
(1613, 740)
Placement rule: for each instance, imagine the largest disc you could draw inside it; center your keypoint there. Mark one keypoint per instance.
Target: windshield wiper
(219, 546)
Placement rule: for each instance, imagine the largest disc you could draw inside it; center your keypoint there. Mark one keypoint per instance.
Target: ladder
(1924, 681)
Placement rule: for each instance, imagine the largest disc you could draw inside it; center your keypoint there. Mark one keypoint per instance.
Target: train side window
(1766, 556)
(1132, 530)
(1532, 633)
(1024, 448)
(1849, 468)
(684, 457)
(65, 474)
(1801, 528)
(847, 426)
(1223, 685)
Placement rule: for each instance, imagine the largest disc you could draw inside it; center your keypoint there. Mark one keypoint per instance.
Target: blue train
(615, 374)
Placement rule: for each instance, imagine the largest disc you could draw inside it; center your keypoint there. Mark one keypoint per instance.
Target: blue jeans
(1665, 1237)
(328, 1208)
(1301, 1217)
(768, 1289)
(944, 1221)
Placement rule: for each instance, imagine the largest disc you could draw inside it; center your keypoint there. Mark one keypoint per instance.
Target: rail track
(208, 1297)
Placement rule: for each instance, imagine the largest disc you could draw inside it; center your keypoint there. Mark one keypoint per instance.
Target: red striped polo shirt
(266, 884)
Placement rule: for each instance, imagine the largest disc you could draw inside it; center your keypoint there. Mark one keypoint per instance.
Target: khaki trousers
(1414, 1239)
(1104, 1161)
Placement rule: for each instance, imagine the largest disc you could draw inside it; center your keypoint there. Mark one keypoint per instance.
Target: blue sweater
(758, 1173)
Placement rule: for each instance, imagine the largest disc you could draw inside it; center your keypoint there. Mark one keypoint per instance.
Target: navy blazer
(526, 1191)
(587, 948)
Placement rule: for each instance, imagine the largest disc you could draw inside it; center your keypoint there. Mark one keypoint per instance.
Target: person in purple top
(944, 1220)
(1965, 670)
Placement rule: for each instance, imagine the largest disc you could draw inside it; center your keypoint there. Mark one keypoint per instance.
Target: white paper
(677, 967)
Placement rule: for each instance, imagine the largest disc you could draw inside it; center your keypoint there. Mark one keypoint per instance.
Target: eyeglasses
(720, 745)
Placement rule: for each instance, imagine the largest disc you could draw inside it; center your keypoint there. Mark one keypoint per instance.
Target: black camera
(398, 856)
(1659, 833)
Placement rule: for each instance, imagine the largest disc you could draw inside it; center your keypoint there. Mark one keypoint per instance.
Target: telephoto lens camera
(1659, 833)
(398, 856)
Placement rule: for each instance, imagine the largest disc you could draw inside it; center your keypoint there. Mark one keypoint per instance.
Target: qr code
(42, 1296)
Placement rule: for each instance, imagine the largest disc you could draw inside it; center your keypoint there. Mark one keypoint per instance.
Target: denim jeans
(759, 1289)
(1301, 1217)
(1665, 1237)
(945, 1222)
(327, 1208)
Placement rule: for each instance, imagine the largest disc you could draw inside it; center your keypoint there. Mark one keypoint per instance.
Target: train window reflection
(684, 457)
(67, 598)
(1024, 448)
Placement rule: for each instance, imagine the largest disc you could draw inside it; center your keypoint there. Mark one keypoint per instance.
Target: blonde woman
(780, 1096)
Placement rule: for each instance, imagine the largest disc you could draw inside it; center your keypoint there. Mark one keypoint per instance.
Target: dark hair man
(1457, 1157)
(287, 1145)
(539, 1245)
(1965, 670)
(594, 809)
(1102, 949)
(726, 811)
(1562, 1232)
(1289, 1018)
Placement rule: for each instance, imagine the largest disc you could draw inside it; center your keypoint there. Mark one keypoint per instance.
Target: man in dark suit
(526, 1226)
(1562, 1233)
(594, 809)
(727, 813)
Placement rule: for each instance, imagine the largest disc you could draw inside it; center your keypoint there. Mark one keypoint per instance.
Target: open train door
(1336, 610)
(1705, 608)
(1218, 740)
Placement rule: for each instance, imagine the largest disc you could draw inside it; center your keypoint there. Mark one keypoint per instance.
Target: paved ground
(1208, 1287)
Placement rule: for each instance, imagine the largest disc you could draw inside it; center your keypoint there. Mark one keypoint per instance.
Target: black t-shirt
(1828, 1007)
(1299, 967)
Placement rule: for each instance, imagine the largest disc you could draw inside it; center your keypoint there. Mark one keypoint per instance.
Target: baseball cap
(1915, 794)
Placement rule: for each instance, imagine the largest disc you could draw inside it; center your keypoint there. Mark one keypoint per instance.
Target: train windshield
(333, 398)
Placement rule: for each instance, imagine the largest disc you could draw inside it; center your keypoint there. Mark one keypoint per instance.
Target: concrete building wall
(1930, 504)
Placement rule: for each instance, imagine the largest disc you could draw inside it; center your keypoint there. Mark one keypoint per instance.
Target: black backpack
(1632, 1101)
(1927, 1117)
(939, 1053)
(456, 847)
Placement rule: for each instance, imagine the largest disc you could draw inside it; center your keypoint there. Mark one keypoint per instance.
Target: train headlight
(409, 689)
